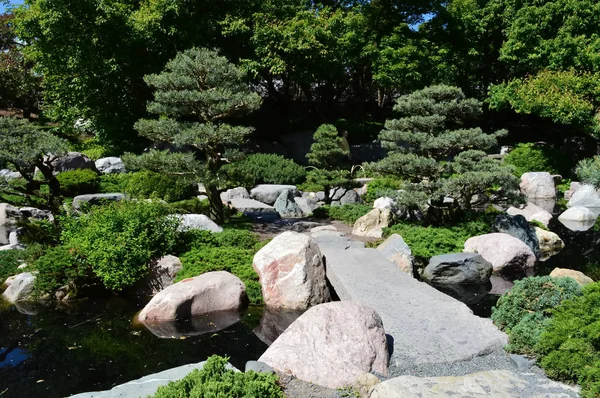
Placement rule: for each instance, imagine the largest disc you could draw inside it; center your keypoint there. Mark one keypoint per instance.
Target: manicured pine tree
(195, 96)
(433, 149)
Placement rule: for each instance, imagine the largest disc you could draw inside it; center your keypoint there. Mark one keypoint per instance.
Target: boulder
(531, 212)
(491, 383)
(9, 214)
(250, 206)
(96, 199)
(197, 221)
(268, 193)
(458, 269)
(331, 345)
(385, 203)
(162, 274)
(235, 193)
(291, 272)
(578, 218)
(36, 214)
(307, 205)
(397, 252)
(579, 276)
(196, 326)
(500, 285)
(351, 197)
(506, 253)
(110, 165)
(210, 292)
(73, 161)
(585, 196)
(21, 288)
(518, 227)
(273, 322)
(372, 223)
(550, 243)
(575, 185)
(8, 175)
(538, 185)
(286, 206)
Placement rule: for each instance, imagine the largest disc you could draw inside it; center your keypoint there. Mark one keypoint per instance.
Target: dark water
(93, 346)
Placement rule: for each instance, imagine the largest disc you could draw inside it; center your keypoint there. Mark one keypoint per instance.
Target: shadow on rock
(468, 294)
(274, 322)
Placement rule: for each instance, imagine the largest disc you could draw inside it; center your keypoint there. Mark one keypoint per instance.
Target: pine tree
(433, 149)
(327, 155)
(195, 95)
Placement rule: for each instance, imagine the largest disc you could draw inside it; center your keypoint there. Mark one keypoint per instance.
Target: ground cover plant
(264, 168)
(525, 310)
(346, 213)
(215, 380)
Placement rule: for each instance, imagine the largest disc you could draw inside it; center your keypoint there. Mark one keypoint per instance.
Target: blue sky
(3, 8)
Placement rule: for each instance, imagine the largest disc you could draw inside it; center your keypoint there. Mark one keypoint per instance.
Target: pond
(93, 345)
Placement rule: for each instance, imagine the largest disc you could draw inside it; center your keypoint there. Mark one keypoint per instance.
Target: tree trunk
(53, 185)
(217, 212)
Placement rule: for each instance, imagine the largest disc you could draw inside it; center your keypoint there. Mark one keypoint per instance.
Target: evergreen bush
(381, 187)
(11, 259)
(264, 168)
(588, 171)
(568, 349)
(60, 266)
(150, 185)
(346, 213)
(78, 182)
(531, 157)
(215, 380)
(523, 311)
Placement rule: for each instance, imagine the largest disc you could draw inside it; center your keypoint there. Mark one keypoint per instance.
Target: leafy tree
(433, 149)
(194, 96)
(327, 155)
(25, 147)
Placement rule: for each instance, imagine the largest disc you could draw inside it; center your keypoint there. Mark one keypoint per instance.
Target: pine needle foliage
(196, 96)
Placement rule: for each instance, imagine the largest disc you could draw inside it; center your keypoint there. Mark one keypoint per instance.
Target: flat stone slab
(427, 326)
(147, 385)
(493, 384)
(251, 206)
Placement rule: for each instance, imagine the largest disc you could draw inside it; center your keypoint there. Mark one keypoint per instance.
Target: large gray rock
(286, 206)
(8, 175)
(331, 345)
(575, 185)
(268, 193)
(458, 268)
(419, 318)
(350, 197)
(204, 294)
(372, 223)
(585, 196)
(291, 272)
(162, 274)
(491, 384)
(398, 253)
(505, 252)
(147, 385)
(73, 161)
(110, 165)
(36, 214)
(96, 199)
(9, 214)
(21, 288)
(197, 221)
(235, 193)
(250, 206)
(385, 203)
(518, 227)
(531, 212)
(538, 185)
(578, 218)
(307, 204)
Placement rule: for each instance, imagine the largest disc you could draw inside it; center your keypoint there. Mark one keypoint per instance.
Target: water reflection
(12, 356)
(197, 325)
(274, 322)
(578, 226)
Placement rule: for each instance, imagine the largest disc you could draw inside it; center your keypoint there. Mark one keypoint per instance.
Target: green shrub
(118, 240)
(39, 231)
(148, 184)
(426, 242)
(237, 238)
(380, 187)
(346, 213)
(530, 156)
(60, 266)
(11, 259)
(215, 380)
(588, 171)
(190, 206)
(568, 348)
(78, 182)
(113, 183)
(522, 311)
(263, 168)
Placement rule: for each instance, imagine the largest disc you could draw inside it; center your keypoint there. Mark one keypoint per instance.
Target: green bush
(190, 206)
(426, 242)
(263, 168)
(588, 171)
(235, 260)
(380, 187)
(11, 259)
(346, 213)
(148, 184)
(118, 240)
(113, 183)
(523, 311)
(78, 182)
(568, 348)
(530, 156)
(60, 266)
(215, 380)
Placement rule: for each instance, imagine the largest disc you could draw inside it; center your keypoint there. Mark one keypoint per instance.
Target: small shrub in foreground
(215, 380)
(523, 311)
(568, 348)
